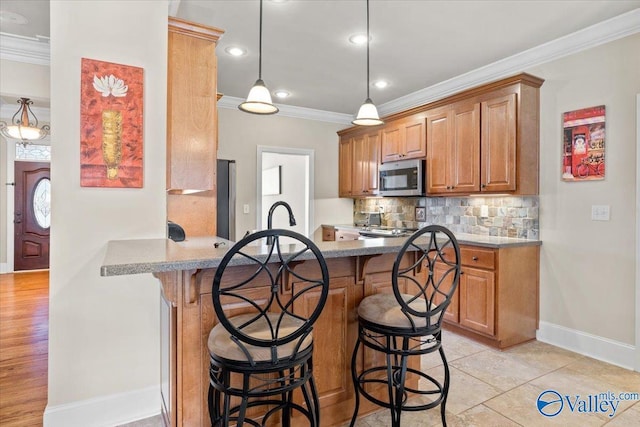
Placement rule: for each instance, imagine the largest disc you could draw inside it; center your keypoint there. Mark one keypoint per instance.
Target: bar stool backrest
(428, 294)
(284, 315)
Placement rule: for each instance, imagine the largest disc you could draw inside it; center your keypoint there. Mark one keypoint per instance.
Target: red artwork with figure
(583, 147)
(111, 125)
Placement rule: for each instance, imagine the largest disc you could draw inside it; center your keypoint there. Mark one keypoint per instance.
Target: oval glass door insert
(42, 203)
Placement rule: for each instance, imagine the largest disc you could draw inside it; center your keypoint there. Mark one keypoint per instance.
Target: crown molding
(28, 50)
(24, 49)
(232, 102)
(606, 31)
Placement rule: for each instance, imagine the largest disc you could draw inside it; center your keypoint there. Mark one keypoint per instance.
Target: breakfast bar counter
(496, 303)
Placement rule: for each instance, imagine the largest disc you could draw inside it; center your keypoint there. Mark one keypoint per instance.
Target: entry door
(32, 218)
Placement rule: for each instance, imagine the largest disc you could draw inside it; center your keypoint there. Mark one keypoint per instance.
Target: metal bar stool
(262, 349)
(408, 323)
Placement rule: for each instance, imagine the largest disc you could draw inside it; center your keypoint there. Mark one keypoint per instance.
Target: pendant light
(24, 125)
(259, 99)
(368, 113)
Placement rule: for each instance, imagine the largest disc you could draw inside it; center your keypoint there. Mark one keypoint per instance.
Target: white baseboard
(610, 351)
(4, 268)
(107, 411)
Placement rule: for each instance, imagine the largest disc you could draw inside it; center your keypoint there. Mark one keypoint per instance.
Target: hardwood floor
(24, 329)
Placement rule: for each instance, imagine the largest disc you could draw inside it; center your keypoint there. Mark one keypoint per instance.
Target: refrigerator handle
(232, 201)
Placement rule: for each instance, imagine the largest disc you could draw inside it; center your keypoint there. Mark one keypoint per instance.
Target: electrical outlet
(245, 209)
(600, 212)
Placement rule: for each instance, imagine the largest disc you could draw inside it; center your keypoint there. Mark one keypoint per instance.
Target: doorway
(32, 215)
(285, 174)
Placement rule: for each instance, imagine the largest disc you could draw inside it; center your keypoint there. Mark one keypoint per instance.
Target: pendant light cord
(260, 45)
(368, 38)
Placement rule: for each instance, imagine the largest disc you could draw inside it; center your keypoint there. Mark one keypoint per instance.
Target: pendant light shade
(368, 113)
(24, 125)
(259, 99)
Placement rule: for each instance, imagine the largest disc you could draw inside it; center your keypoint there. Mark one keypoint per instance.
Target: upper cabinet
(192, 127)
(403, 139)
(482, 140)
(359, 158)
(191, 107)
(498, 166)
(453, 149)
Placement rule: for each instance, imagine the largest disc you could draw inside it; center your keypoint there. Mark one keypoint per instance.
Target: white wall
(104, 332)
(587, 267)
(239, 135)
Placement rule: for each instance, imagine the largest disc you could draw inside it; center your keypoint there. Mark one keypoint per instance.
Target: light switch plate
(600, 212)
(245, 209)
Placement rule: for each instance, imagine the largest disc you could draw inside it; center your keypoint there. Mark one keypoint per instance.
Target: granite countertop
(159, 255)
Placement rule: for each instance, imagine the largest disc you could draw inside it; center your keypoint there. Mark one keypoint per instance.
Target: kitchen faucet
(292, 220)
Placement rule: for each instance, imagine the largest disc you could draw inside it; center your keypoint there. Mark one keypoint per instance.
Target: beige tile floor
(500, 388)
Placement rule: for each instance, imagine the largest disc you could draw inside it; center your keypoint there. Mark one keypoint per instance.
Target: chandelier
(24, 125)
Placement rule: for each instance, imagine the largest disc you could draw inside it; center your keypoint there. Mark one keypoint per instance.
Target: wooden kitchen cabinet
(404, 139)
(345, 168)
(482, 140)
(498, 166)
(453, 149)
(496, 300)
(359, 158)
(192, 126)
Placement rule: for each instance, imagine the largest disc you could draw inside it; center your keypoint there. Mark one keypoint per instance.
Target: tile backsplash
(505, 216)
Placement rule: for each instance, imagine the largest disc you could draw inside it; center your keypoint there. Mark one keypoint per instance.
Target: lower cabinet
(497, 297)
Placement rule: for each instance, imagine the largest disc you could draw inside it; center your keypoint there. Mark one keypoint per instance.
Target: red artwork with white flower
(111, 125)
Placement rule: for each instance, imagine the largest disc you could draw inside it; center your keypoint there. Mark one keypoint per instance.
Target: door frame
(637, 343)
(285, 150)
(10, 192)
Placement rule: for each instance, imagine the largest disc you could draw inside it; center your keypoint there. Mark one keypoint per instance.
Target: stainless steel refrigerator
(226, 223)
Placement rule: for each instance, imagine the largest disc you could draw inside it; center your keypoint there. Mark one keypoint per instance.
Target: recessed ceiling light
(235, 51)
(359, 39)
(381, 84)
(281, 94)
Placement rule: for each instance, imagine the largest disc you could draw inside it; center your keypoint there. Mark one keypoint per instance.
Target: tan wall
(587, 267)
(240, 133)
(103, 332)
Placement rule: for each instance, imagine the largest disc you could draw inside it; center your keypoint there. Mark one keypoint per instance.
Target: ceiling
(414, 44)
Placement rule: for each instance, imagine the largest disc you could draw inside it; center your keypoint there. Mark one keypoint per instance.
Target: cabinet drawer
(476, 257)
(328, 234)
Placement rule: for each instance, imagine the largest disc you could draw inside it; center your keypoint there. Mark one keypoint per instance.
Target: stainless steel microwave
(402, 178)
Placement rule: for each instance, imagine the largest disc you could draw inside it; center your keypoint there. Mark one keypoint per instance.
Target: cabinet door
(345, 170)
(332, 346)
(414, 141)
(438, 154)
(465, 148)
(191, 112)
(452, 313)
(391, 145)
(359, 165)
(477, 300)
(372, 153)
(499, 144)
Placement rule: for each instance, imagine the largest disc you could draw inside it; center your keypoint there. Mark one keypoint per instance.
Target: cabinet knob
(483, 186)
(475, 258)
